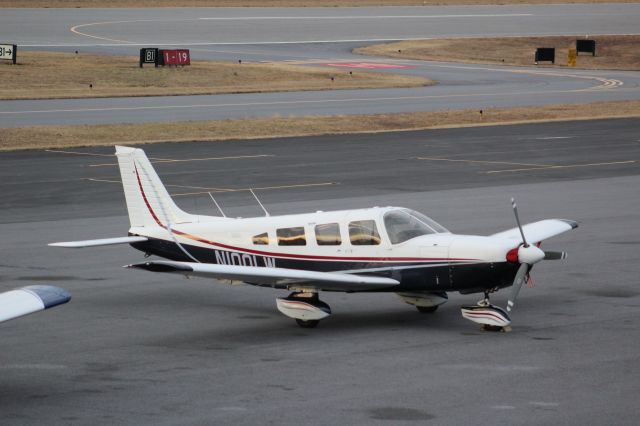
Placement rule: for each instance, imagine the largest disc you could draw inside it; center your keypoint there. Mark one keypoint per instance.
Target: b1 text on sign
(8, 52)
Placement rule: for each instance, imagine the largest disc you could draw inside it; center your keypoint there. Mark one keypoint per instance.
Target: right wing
(539, 231)
(100, 242)
(27, 300)
(333, 281)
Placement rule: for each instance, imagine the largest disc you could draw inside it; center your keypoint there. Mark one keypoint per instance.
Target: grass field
(619, 52)
(275, 3)
(106, 135)
(42, 75)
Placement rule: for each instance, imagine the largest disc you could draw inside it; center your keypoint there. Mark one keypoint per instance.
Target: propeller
(527, 255)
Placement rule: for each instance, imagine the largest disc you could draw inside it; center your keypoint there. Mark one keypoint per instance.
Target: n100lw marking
(242, 259)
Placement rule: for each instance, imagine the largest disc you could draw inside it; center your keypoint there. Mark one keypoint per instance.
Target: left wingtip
(572, 223)
(50, 295)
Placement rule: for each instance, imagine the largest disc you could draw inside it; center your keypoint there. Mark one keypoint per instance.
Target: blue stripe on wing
(51, 296)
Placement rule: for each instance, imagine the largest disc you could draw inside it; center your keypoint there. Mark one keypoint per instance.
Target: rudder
(148, 202)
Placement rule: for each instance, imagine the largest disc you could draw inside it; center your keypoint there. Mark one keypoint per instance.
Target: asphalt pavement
(138, 347)
(317, 36)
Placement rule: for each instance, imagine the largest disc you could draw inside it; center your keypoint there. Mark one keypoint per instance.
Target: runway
(137, 347)
(317, 36)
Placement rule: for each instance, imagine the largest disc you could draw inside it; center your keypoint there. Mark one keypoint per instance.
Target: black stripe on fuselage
(413, 276)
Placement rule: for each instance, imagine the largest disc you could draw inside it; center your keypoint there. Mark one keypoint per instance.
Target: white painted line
(569, 166)
(480, 161)
(298, 102)
(331, 18)
(219, 190)
(302, 185)
(554, 137)
(57, 151)
(102, 180)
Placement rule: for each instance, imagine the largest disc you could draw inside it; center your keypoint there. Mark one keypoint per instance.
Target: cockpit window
(364, 233)
(403, 225)
(291, 236)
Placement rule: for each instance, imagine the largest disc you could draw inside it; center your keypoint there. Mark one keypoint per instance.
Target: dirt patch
(43, 75)
(619, 52)
(275, 3)
(101, 135)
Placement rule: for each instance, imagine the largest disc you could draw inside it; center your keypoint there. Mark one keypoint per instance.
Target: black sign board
(149, 55)
(9, 52)
(587, 46)
(546, 54)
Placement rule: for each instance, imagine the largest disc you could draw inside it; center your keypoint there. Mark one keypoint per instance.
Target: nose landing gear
(491, 317)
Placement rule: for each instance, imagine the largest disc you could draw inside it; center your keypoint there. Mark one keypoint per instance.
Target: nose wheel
(491, 317)
(307, 323)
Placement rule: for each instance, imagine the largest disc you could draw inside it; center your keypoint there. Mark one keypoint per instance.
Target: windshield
(403, 225)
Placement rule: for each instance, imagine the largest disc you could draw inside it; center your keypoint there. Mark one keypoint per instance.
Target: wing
(538, 231)
(27, 300)
(333, 281)
(100, 242)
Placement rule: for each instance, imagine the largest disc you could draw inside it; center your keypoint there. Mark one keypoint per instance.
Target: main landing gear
(425, 302)
(305, 307)
(491, 317)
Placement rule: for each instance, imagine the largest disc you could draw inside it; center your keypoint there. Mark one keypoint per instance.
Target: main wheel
(427, 309)
(307, 323)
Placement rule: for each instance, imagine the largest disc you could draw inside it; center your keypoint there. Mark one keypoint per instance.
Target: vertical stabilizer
(148, 202)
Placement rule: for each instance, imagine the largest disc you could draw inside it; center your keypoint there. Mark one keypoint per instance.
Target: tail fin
(148, 202)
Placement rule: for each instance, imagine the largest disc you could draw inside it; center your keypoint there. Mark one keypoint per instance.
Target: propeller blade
(517, 284)
(555, 255)
(515, 211)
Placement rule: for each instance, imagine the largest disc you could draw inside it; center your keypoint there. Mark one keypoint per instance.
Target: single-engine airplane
(380, 249)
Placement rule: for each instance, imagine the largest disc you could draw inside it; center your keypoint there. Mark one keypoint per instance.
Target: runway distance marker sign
(8, 52)
(175, 57)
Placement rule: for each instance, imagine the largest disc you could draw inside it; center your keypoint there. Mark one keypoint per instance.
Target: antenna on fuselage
(217, 205)
(266, 213)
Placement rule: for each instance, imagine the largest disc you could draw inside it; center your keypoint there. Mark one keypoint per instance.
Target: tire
(308, 323)
(427, 309)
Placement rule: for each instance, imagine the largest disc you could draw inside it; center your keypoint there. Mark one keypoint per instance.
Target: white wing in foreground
(539, 231)
(27, 300)
(333, 281)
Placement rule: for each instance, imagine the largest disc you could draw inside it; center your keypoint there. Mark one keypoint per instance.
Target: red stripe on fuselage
(286, 255)
(144, 197)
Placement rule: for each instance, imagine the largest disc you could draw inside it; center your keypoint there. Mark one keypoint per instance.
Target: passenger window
(364, 233)
(261, 239)
(328, 234)
(291, 236)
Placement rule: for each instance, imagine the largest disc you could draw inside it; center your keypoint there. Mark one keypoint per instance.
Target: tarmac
(133, 347)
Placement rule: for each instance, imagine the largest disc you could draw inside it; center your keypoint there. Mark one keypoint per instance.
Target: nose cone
(530, 255)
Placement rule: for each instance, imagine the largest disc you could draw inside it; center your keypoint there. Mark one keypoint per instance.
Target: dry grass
(274, 3)
(42, 75)
(99, 135)
(613, 51)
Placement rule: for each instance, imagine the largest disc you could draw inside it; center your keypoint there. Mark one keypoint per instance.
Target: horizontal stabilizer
(100, 242)
(539, 231)
(27, 300)
(333, 281)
